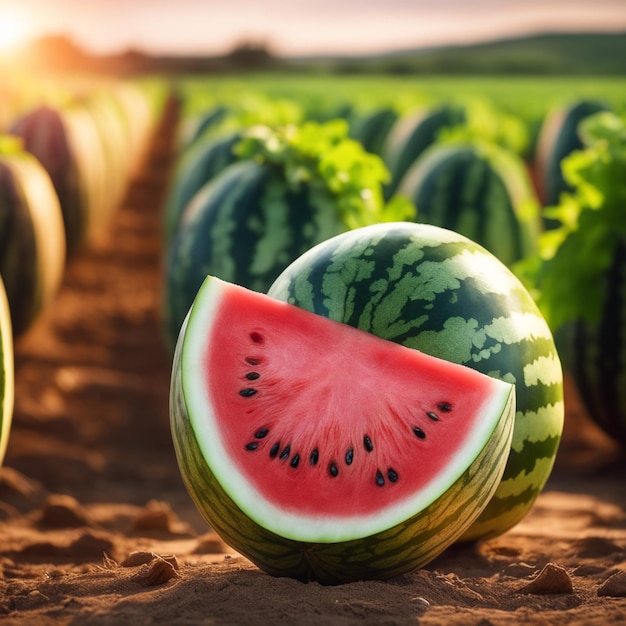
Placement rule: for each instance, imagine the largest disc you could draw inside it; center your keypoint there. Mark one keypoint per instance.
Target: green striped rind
(482, 192)
(195, 168)
(558, 137)
(597, 354)
(7, 385)
(372, 129)
(407, 546)
(410, 136)
(245, 227)
(193, 127)
(434, 290)
(32, 238)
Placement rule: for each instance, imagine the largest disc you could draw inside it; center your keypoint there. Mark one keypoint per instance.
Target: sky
(295, 27)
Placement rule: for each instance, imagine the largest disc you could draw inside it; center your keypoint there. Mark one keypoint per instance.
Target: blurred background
(389, 35)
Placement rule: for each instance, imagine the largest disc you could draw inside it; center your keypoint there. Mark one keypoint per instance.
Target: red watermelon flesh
(322, 432)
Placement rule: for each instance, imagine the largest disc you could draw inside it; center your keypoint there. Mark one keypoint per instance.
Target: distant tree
(248, 54)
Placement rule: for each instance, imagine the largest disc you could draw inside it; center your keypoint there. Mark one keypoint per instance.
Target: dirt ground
(97, 528)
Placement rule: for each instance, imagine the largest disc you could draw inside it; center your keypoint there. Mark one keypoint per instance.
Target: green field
(527, 96)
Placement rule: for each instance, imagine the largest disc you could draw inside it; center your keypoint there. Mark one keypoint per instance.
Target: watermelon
(410, 136)
(196, 167)
(372, 128)
(32, 236)
(194, 126)
(7, 385)
(479, 190)
(244, 226)
(65, 141)
(558, 137)
(294, 187)
(437, 291)
(595, 355)
(322, 452)
(116, 142)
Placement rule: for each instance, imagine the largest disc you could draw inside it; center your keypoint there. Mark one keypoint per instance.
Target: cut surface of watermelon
(321, 432)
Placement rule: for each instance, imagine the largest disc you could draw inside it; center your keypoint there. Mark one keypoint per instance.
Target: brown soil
(97, 528)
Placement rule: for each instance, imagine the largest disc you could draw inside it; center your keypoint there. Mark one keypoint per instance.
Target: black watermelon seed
(274, 450)
(257, 337)
(295, 460)
(367, 443)
(392, 475)
(285, 453)
(332, 469)
(349, 456)
(444, 406)
(314, 457)
(380, 479)
(246, 393)
(253, 445)
(252, 375)
(262, 432)
(250, 360)
(418, 432)
(433, 416)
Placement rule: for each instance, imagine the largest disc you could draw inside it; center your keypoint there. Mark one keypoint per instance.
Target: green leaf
(569, 278)
(323, 156)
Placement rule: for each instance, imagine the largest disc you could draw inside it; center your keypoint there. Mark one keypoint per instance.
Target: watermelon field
(337, 194)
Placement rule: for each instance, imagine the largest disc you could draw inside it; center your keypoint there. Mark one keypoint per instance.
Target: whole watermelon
(196, 167)
(294, 187)
(245, 226)
(595, 353)
(410, 135)
(434, 290)
(371, 129)
(32, 237)
(66, 142)
(558, 137)
(480, 190)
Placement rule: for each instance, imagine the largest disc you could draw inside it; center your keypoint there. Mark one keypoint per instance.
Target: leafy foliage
(485, 122)
(569, 274)
(325, 158)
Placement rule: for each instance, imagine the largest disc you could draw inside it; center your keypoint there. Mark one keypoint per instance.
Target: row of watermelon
(240, 219)
(64, 167)
(246, 204)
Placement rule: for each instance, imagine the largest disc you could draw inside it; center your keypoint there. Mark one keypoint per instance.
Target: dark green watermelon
(436, 291)
(596, 353)
(558, 137)
(481, 191)
(66, 141)
(245, 227)
(193, 127)
(196, 167)
(32, 238)
(410, 136)
(373, 128)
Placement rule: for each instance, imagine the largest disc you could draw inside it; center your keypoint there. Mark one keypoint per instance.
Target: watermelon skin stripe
(434, 290)
(484, 194)
(417, 541)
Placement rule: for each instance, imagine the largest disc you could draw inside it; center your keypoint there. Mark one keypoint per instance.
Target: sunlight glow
(14, 29)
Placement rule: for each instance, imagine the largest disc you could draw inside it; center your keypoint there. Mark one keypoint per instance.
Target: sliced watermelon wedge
(299, 432)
